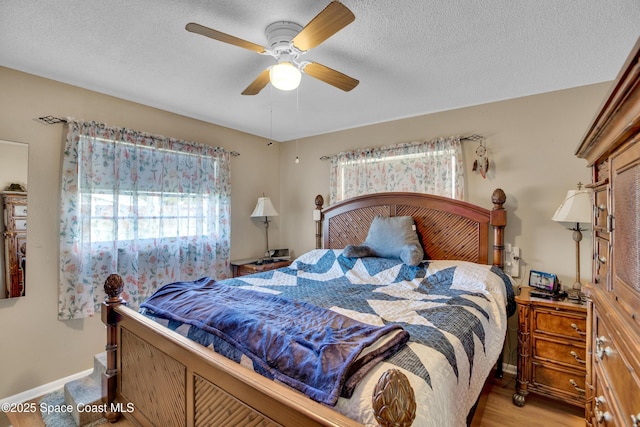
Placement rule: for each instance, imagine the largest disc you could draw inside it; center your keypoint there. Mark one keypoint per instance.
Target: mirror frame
(14, 170)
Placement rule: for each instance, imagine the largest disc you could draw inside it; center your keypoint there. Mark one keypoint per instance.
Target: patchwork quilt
(455, 313)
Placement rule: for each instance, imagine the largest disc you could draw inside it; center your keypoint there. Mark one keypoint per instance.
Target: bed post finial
(498, 198)
(394, 401)
(113, 287)
(317, 217)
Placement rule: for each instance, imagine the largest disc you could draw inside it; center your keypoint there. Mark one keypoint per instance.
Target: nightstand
(242, 268)
(551, 349)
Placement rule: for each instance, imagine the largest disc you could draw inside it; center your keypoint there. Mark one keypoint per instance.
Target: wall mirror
(14, 161)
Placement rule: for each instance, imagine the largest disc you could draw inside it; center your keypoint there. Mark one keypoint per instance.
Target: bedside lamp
(575, 209)
(264, 208)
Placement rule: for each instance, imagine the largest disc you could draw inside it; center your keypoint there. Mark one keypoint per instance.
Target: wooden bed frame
(157, 377)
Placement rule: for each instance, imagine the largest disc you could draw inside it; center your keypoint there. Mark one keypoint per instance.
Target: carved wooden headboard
(447, 228)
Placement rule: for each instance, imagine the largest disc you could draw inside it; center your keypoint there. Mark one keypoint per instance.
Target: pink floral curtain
(153, 209)
(433, 167)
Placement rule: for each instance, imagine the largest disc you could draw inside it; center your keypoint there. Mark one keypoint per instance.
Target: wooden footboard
(157, 377)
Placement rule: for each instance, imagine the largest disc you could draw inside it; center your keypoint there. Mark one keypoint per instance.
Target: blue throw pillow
(390, 237)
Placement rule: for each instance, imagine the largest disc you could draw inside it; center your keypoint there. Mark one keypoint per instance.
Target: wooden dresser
(551, 349)
(15, 242)
(612, 148)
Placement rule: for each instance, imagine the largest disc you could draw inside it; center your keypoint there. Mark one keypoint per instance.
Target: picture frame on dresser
(611, 147)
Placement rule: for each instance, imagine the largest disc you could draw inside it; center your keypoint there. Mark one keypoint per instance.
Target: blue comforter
(310, 348)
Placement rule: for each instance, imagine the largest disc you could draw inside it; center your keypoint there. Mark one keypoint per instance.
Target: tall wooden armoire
(612, 148)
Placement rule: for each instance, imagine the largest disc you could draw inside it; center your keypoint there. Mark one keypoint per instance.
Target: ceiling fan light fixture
(287, 41)
(285, 76)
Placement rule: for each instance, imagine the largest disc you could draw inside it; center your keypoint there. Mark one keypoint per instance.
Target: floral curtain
(153, 209)
(433, 167)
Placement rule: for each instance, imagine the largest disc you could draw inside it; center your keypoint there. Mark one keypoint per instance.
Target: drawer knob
(578, 359)
(600, 415)
(575, 385)
(603, 416)
(602, 260)
(577, 329)
(635, 420)
(599, 343)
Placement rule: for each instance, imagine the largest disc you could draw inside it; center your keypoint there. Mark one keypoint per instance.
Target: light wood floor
(494, 410)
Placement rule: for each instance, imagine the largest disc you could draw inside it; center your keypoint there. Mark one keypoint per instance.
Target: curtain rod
(51, 120)
(474, 137)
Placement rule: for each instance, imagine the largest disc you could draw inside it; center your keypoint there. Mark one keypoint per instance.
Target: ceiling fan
(287, 41)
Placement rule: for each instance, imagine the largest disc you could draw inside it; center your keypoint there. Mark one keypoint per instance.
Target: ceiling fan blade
(258, 84)
(332, 19)
(223, 37)
(330, 76)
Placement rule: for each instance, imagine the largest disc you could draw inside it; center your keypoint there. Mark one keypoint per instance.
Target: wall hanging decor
(481, 164)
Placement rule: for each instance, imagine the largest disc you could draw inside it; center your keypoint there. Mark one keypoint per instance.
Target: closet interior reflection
(13, 186)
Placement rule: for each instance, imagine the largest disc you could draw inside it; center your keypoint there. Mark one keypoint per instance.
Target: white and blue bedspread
(455, 312)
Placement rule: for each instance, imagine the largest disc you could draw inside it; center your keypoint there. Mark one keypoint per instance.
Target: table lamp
(575, 209)
(264, 208)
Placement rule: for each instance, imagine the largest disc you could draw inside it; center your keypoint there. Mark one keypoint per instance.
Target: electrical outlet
(515, 263)
(512, 260)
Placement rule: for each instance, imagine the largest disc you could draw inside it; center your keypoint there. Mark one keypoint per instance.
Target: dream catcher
(481, 164)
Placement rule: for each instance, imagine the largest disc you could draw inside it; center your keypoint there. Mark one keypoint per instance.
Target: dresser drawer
(620, 376)
(568, 353)
(600, 209)
(604, 411)
(20, 211)
(559, 381)
(560, 323)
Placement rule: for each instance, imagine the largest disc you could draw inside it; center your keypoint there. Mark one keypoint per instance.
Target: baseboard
(44, 389)
(509, 369)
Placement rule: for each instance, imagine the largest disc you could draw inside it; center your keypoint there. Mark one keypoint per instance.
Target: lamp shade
(575, 208)
(285, 76)
(264, 208)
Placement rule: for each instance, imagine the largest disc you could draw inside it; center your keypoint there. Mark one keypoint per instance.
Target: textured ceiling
(412, 57)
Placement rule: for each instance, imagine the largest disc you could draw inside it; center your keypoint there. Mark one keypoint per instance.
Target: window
(433, 167)
(146, 215)
(150, 208)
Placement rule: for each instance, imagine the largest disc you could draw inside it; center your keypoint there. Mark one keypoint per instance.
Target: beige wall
(530, 141)
(13, 163)
(36, 347)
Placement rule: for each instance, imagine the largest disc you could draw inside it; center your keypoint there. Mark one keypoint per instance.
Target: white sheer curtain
(433, 167)
(150, 208)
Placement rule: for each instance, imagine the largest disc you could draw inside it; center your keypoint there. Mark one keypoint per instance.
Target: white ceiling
(412, 57)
